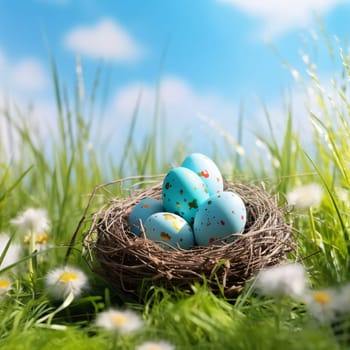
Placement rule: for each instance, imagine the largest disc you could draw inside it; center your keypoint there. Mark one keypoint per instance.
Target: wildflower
(5, 285)
(32, 220)
(306, 196)
(34, 223)
(160, 345)
(282, 280)
(122, 322)
(65, 280)
(40, 241)
(13, 252)
(322, 304)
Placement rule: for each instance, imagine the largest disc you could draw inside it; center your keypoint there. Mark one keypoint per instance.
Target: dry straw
(127, 261)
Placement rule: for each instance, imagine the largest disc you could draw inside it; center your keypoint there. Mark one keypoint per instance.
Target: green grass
(60, 176)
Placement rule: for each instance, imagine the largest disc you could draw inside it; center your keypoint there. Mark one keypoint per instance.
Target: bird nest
(130, 262)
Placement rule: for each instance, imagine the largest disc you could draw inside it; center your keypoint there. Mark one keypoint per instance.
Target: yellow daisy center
(4, 284)
(67, 277)
(40, 238)
(322, 298)
(118, 319)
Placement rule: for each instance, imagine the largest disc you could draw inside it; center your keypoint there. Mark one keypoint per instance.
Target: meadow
(58, 178)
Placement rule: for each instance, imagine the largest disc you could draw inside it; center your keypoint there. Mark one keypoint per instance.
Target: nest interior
(128, 261)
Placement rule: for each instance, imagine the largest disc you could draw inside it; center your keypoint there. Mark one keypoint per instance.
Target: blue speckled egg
(141, 211)
(207, 170)
(219, 216)
(183, 192)
(169, 228)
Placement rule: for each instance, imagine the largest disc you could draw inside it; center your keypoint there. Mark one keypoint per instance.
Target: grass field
(58, 177)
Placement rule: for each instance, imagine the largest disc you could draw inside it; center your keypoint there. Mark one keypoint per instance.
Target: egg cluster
(194, 210)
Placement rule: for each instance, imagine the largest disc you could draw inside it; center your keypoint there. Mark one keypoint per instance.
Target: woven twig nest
(128, 261)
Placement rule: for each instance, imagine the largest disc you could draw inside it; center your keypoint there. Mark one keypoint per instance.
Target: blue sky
(210, 56)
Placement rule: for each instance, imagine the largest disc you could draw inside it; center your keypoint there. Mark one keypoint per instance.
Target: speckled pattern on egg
(141, 212)
(169, 228)
(183, 192)
(221, 215)
(207, 170)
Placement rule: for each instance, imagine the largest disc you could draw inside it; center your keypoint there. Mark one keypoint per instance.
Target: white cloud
(38, 116)
(176, 96)
(29, 74)
(23, 82)
(280, 16)
(106, 39)
(181, 107)
(317, 97)
(184, 106)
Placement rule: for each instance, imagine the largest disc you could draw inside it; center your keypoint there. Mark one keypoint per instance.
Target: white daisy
(282, 280)
(13, 252)
(5, 285)
(305, 196)
(322, 304)
(32, 220)
(123, 322)
(65, 280)
(152, 345)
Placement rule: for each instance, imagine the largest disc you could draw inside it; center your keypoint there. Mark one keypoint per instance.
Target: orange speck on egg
(204, 173)
(165, 236)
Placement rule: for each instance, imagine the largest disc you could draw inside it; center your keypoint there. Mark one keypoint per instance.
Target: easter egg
(183, 192)
(169, 228)
(207, 170)
(221, 215)
(141, 211)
